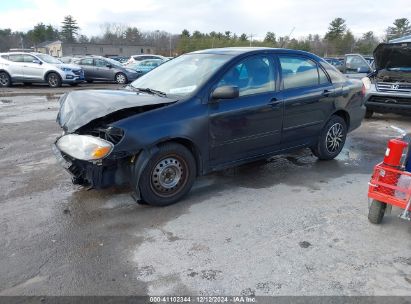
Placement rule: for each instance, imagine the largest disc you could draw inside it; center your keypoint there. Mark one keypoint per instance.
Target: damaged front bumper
(98, 175)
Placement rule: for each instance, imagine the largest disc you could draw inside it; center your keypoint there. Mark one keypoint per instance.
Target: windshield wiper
(151, 91)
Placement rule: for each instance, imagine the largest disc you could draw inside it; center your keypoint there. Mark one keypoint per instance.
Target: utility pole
(170, 44)
(251, 39)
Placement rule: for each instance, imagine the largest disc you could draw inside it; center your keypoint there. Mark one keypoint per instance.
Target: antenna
(289, 35)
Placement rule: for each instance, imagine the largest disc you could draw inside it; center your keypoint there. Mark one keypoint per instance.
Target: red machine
(390, 183)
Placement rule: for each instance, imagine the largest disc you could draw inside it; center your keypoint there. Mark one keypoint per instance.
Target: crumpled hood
(392, 55)
(78, 108)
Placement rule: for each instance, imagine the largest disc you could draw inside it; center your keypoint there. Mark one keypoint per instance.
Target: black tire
(120, 78)
(332, 139)
(89, 81)
(74, 84)
(369, 113)
(5, 80)
(376, 212)
(168, 175)
(54, 80)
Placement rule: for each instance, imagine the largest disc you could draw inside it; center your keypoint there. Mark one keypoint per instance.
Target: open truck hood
(392, 55)
(79, 108)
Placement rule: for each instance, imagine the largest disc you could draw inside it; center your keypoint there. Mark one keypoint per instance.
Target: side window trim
(320, 68)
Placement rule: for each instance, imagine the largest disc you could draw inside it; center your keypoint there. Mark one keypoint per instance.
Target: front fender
(137, 166)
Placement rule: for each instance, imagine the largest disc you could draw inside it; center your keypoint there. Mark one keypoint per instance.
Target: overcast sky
(239, 16)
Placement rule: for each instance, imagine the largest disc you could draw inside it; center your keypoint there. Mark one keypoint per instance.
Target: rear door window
(16, 58)
(298, 72)
(100, 63)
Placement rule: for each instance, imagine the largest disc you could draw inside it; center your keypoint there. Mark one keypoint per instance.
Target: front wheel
(168, 175)
(332, 139)
(121, 78)
(376, 212)
(54, 80)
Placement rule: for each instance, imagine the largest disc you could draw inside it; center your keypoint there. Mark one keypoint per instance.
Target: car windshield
(182, 75)
(48, 59)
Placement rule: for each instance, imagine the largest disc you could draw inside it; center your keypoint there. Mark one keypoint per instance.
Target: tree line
(338, 40)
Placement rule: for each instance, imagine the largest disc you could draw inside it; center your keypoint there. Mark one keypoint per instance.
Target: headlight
(84, 147)
(66, 69)
(367, 83)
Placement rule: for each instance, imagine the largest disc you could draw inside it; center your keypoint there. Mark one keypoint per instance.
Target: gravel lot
(292, 226)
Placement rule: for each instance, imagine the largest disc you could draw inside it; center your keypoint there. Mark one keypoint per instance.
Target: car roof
(245, 50)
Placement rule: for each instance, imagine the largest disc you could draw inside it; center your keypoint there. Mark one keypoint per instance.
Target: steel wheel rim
(169, 176)
(121, 78)
(4, 79)
(53, 80)
(335, 138)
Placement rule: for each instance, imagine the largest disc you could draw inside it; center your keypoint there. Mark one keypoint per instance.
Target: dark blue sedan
(202, 112)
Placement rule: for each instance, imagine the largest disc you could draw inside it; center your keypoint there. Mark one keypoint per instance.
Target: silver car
(39, 68)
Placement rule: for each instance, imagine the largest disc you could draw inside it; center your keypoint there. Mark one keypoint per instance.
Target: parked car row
(42, 68)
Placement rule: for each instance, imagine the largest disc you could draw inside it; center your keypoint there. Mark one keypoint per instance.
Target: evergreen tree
(69, 30)
(401, 28)
(336, 30)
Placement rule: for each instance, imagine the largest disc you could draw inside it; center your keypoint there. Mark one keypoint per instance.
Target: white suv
(36, 67)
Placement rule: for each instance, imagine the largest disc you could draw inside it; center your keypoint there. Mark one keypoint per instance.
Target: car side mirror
(363, 69)
(109, 65)
(37, 61)
(225, 92)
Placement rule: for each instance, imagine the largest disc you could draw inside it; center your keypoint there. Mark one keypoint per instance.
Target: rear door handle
(274, 101)
(326, 93)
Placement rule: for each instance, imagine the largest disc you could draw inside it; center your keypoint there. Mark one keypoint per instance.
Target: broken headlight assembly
(84, 147)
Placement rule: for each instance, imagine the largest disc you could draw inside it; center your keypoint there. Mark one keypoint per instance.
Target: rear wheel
(5, 80)
(369, 113)
(54, 80)
(376, 212)
(121, 78)
(332, 139)
(168, 176)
